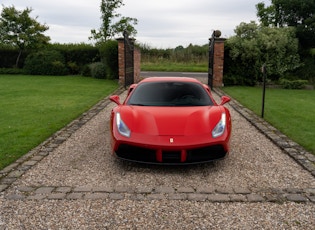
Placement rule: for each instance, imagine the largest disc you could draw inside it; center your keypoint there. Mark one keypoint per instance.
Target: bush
(8, 57)
(109, 55)
(98, 70)
(47, 62)
(73, 68)
(293, 84)
(11, 71)
(86, 71)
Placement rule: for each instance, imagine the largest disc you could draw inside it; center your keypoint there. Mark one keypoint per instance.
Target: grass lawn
(32, 108)
(174, 67)
(290, 111)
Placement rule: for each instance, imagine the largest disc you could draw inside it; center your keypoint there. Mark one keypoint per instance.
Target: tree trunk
(18, 59)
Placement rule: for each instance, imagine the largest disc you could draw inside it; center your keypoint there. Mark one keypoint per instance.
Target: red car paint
(179, 134)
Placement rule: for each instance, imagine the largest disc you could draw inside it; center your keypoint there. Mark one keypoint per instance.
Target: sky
(161, 23)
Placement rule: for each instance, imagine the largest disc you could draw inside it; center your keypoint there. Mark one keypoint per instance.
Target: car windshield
(169, 94)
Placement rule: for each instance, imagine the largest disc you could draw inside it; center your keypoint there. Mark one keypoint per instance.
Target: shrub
(47, 62)
(109, 55)
(293, 84)
(86, 71)
(98, 70)
(8, 57)
(11, 71)
(73, 68)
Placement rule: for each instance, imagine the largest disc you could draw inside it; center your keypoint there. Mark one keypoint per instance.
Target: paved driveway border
(14, 171)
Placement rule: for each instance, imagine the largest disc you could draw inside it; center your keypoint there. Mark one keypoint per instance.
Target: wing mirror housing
(115, 99)
(225, 99)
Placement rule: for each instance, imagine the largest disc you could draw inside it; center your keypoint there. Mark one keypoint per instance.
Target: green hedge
(8, 57)
(109, 56)
(46, 62)
(13, 71)
(77, 55)
(98, 70)
(293, 84)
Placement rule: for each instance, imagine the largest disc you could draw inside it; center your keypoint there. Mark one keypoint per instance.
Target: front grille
(145, 155)
(208, 153)
(135, 153)
(171, 156)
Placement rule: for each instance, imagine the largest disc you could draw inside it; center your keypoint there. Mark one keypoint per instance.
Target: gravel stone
(75, 183)
(255, 198)
(296, 198)
(74, 196)
(206, 190)
(44, 190)
(57, 196)
(219, 198)
(196, 197)
(185, 190)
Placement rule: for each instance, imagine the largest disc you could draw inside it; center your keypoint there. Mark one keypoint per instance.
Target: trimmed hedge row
(64, 59)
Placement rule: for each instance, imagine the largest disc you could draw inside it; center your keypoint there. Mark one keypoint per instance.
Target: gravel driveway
(72, 182)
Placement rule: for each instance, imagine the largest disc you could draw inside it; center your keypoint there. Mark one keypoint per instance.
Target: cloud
(162, 24)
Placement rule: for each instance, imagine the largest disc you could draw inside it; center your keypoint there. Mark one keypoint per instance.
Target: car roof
(165, 79)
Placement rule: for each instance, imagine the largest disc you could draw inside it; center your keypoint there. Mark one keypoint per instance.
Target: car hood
(174, 121)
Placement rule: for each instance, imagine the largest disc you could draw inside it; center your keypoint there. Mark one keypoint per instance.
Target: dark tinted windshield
(170, 94)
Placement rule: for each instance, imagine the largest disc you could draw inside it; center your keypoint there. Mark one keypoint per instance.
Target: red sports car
(170, 120)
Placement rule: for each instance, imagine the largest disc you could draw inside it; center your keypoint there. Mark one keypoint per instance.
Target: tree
(19, 30)
(291, 13)
(254, 45)
(110, 28)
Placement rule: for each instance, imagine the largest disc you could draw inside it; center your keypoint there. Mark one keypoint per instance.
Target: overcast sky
(161, 23)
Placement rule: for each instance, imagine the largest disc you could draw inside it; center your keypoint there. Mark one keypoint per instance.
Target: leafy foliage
(98, 70)
(109, 55)
(254, 45)
(295, 13)
(11, 71)
(8, 57)
(293, 84)
(109, 28)
(47, 62)
(19, 30)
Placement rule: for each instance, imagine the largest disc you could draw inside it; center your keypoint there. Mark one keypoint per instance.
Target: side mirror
(115, 98)
(224, 99)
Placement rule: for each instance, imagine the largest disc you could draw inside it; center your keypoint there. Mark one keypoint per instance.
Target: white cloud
(162, 24)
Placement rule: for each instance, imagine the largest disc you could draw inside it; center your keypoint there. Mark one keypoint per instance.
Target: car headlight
(220, 127)
(122, 127)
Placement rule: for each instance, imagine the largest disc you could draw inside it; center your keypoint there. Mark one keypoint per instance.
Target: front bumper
(161, 156)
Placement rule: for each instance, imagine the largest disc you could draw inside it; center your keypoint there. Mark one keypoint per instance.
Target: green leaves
(254, 45)
(18, 29)
(109, 28)
(292, 13)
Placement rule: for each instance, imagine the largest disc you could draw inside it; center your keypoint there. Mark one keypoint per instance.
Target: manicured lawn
(290, 111)
(32, 108)
(174, 67)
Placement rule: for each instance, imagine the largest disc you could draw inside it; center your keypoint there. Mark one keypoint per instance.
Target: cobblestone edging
(206, 194)
(161, 193)
(294, 150)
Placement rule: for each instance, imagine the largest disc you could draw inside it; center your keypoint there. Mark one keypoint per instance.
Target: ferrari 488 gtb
(170, 120)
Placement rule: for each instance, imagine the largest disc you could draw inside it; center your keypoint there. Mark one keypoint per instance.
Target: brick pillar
(218, 62)
(121, 62)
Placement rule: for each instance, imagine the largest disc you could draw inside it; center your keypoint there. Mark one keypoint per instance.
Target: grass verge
(32, 108)
(290, 111)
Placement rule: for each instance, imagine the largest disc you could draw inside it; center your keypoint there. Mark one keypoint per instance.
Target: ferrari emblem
(171, 140)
